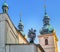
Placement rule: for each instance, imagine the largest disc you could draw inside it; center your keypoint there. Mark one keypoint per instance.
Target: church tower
(21, 26)
(5, 7)
(21, 31)
(47, 38)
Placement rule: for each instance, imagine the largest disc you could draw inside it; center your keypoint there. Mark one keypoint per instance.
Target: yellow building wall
(22, 39)
(55, 42)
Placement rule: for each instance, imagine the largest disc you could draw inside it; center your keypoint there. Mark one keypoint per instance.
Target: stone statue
(32, 35)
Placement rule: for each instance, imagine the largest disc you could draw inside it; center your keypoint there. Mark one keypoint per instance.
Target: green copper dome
(47, 29)
(20, 26)
(5, 4)
(5, 7)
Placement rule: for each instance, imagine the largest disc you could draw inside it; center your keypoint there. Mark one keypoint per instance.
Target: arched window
(46, 41)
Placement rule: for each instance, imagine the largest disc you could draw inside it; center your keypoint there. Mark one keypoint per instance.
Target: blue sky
(33, 13)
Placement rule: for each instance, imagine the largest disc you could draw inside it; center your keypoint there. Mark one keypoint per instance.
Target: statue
(32, 35)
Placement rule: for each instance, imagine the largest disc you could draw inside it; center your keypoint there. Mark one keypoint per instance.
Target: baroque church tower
(47, 38)
(21, 26)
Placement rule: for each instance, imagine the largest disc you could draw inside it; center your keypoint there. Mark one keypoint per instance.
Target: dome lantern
(5, 7)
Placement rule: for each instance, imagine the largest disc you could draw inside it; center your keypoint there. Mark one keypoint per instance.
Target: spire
(45, 6)
(4, 1)
(47, 28)
(20, 26)
(46, 19)
(20, 17)
(5, 7)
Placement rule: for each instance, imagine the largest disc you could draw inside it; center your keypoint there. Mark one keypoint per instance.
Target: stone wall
(2, 33)
(22, 48)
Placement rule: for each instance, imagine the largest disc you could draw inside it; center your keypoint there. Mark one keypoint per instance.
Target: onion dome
(46, 19)
(20, 26)
(47, 28)
(5, 7)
